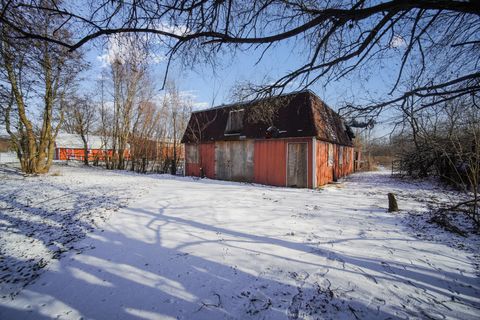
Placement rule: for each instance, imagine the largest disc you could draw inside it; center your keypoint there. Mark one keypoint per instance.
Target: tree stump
(392, 203)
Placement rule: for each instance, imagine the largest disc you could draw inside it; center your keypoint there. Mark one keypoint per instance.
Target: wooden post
(392, 203)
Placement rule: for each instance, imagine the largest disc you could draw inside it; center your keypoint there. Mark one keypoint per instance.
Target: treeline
(42, 94)
(441, 142)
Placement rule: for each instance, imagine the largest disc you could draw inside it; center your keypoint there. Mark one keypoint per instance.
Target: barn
(292, 140)
(70, 147)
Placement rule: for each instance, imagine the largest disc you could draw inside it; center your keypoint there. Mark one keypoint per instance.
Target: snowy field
(84, 243)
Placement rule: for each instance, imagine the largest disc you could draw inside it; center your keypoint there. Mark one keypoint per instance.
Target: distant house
(70, 147)
(292, 140)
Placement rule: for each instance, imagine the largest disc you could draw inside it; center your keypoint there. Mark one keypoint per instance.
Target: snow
(8, 157)
(166, 247)
(74, 141)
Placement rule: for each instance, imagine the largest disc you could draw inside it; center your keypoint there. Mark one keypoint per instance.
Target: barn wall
(324, 172)
(234, 160)
(206, 160)
(342, 168)
(309, 156)
(349, 163)
(270, 161)
(78, 154)
(74, 154)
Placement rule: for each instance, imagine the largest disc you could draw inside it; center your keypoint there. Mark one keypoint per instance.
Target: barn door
(223, 161)
(297, 165)
(234, 160)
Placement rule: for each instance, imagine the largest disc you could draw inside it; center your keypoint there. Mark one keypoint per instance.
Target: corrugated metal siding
(324, 172)
(192, 169)
(79, 154)
(205, 160)
(270, 162)
(344, 169)
(349, 163)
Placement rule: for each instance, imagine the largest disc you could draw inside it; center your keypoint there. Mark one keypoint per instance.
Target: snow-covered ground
(181, 248)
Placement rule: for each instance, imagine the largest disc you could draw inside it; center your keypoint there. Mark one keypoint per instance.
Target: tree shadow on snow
(124, 277)
(133, 285)
(31, 219)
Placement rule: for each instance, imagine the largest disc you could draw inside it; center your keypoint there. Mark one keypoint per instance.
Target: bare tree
(446, 144)
(35, 72)
(178, 110)
(105, 127)
(129, 77)
(143, 144)
(338, 38)
(79, 117)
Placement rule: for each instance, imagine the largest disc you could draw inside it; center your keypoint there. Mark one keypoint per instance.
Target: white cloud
(187, 96)
(124, 47)
(180, 30)
(201, 105)
(190, 95)
(397, 42)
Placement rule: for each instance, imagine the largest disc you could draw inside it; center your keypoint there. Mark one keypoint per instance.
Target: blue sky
(210, 86)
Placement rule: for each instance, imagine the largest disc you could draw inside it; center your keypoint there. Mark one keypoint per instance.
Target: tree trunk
(392, 203)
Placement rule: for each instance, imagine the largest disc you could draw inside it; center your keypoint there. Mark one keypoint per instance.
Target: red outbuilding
(70, 147)
(292, 140)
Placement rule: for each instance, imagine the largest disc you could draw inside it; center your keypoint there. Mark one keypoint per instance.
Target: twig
(206, 305)
(458, 205)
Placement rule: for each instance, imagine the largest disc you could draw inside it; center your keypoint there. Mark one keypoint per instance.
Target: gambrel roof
(297, 114)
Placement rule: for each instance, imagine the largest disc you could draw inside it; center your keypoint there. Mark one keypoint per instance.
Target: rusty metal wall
(270, 162)
(324, 172)
(261, 161)
(205, 159)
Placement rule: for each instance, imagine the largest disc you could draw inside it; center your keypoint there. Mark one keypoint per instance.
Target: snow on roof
(74, 141)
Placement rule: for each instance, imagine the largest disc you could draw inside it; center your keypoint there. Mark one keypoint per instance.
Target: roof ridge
(233, 104)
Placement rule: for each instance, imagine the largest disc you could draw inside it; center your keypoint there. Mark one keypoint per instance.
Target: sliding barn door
(297, 165)
(234, 160)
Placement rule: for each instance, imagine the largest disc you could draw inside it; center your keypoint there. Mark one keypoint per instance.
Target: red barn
(292, 140)
(70, 147)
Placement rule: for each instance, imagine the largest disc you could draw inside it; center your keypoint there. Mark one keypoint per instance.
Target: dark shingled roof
(298, 114)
